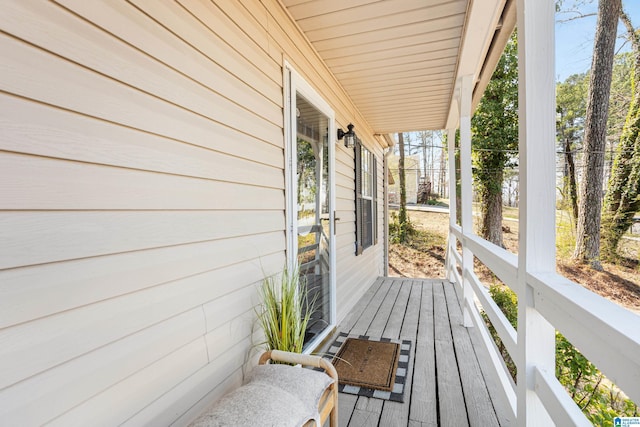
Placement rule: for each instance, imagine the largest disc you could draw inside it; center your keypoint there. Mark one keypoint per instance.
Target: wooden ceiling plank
(415, 116)
(415, 97)
(338, 50)
(414, 76)
(393, 65)
(366, 32)
(382, 14)
(443, 92)
(400, 106)
(428, 66)
(301, 10)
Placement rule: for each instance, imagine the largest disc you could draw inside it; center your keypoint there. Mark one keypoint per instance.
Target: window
(366, 204)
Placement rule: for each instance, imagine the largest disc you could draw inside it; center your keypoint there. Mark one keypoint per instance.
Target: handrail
(308, 265)
(457, 276)
(557, 402)
(308, 248)
(306, 229)
(501, 369)
(319, 231)
(501, 262)
(607, 334)
(498, 319)
(457, 256)
(581, 315)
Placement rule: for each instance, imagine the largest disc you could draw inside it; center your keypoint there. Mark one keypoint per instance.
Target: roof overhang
(401, 61)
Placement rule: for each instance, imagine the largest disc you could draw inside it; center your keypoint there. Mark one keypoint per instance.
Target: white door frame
(293, 84)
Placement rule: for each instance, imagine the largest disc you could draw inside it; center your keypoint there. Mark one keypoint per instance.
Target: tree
(402, 219)
(589, 209)
(495, 139)
(443, 172)
(571, 106)
(455, 173)
(622, 199)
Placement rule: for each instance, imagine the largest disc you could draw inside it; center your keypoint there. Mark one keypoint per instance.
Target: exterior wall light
(349, 136)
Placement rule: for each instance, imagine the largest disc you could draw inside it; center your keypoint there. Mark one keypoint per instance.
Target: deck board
(359, 325)
(395, 414)
(451, 408)
(424, 401)
(445, 385)
(479, 406)
(368, 410)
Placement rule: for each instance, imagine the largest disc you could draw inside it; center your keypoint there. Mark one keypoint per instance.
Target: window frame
(366, 166)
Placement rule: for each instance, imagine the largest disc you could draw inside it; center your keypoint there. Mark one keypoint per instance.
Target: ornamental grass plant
(285, 310)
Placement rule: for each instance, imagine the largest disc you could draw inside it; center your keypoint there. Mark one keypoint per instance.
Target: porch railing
(607, 334)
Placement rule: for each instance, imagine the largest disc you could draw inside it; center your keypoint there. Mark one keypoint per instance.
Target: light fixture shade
(349, 136)
(349, 140)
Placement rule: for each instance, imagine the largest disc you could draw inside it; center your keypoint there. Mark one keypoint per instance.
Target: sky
(574, 39)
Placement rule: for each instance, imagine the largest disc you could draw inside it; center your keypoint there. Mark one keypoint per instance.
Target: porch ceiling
(399, 60)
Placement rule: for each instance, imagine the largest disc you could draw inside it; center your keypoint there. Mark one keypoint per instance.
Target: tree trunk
(588, 233)
(424, 157)
(402, 219)
(622, 200)
(491, 209)
(572, 187)
(433, 169)
(443, 171)
(458, 180)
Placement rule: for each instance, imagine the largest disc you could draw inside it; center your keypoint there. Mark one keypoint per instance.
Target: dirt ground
(425, 259)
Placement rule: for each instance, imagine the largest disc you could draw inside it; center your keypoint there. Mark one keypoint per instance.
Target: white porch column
(536, 253)
(451, 261)
(466, 218)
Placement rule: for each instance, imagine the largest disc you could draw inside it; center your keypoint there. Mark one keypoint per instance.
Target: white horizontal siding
(61, 134)
(142, 201)
(76, 283)
(34, 237)
(36, 74)
(176, 406)
(71, 333)
(89, 186)
(145, 64)
(355, 273)
(36, 398)
(138, 391)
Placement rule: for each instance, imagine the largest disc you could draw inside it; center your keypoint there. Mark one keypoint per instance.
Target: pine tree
(589, 209)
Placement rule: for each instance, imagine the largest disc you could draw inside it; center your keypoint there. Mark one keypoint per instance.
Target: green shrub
(395, 229)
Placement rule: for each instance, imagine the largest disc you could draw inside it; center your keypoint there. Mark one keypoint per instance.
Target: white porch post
(536, 97)
(466, 89)
(451, 261)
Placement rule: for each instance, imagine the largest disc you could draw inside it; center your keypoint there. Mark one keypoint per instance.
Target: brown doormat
(364, 363)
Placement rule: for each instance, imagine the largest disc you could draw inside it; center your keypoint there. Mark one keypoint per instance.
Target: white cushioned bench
(279, 395)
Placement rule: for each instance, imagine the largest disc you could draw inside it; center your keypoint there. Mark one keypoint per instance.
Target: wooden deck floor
(446, 386)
